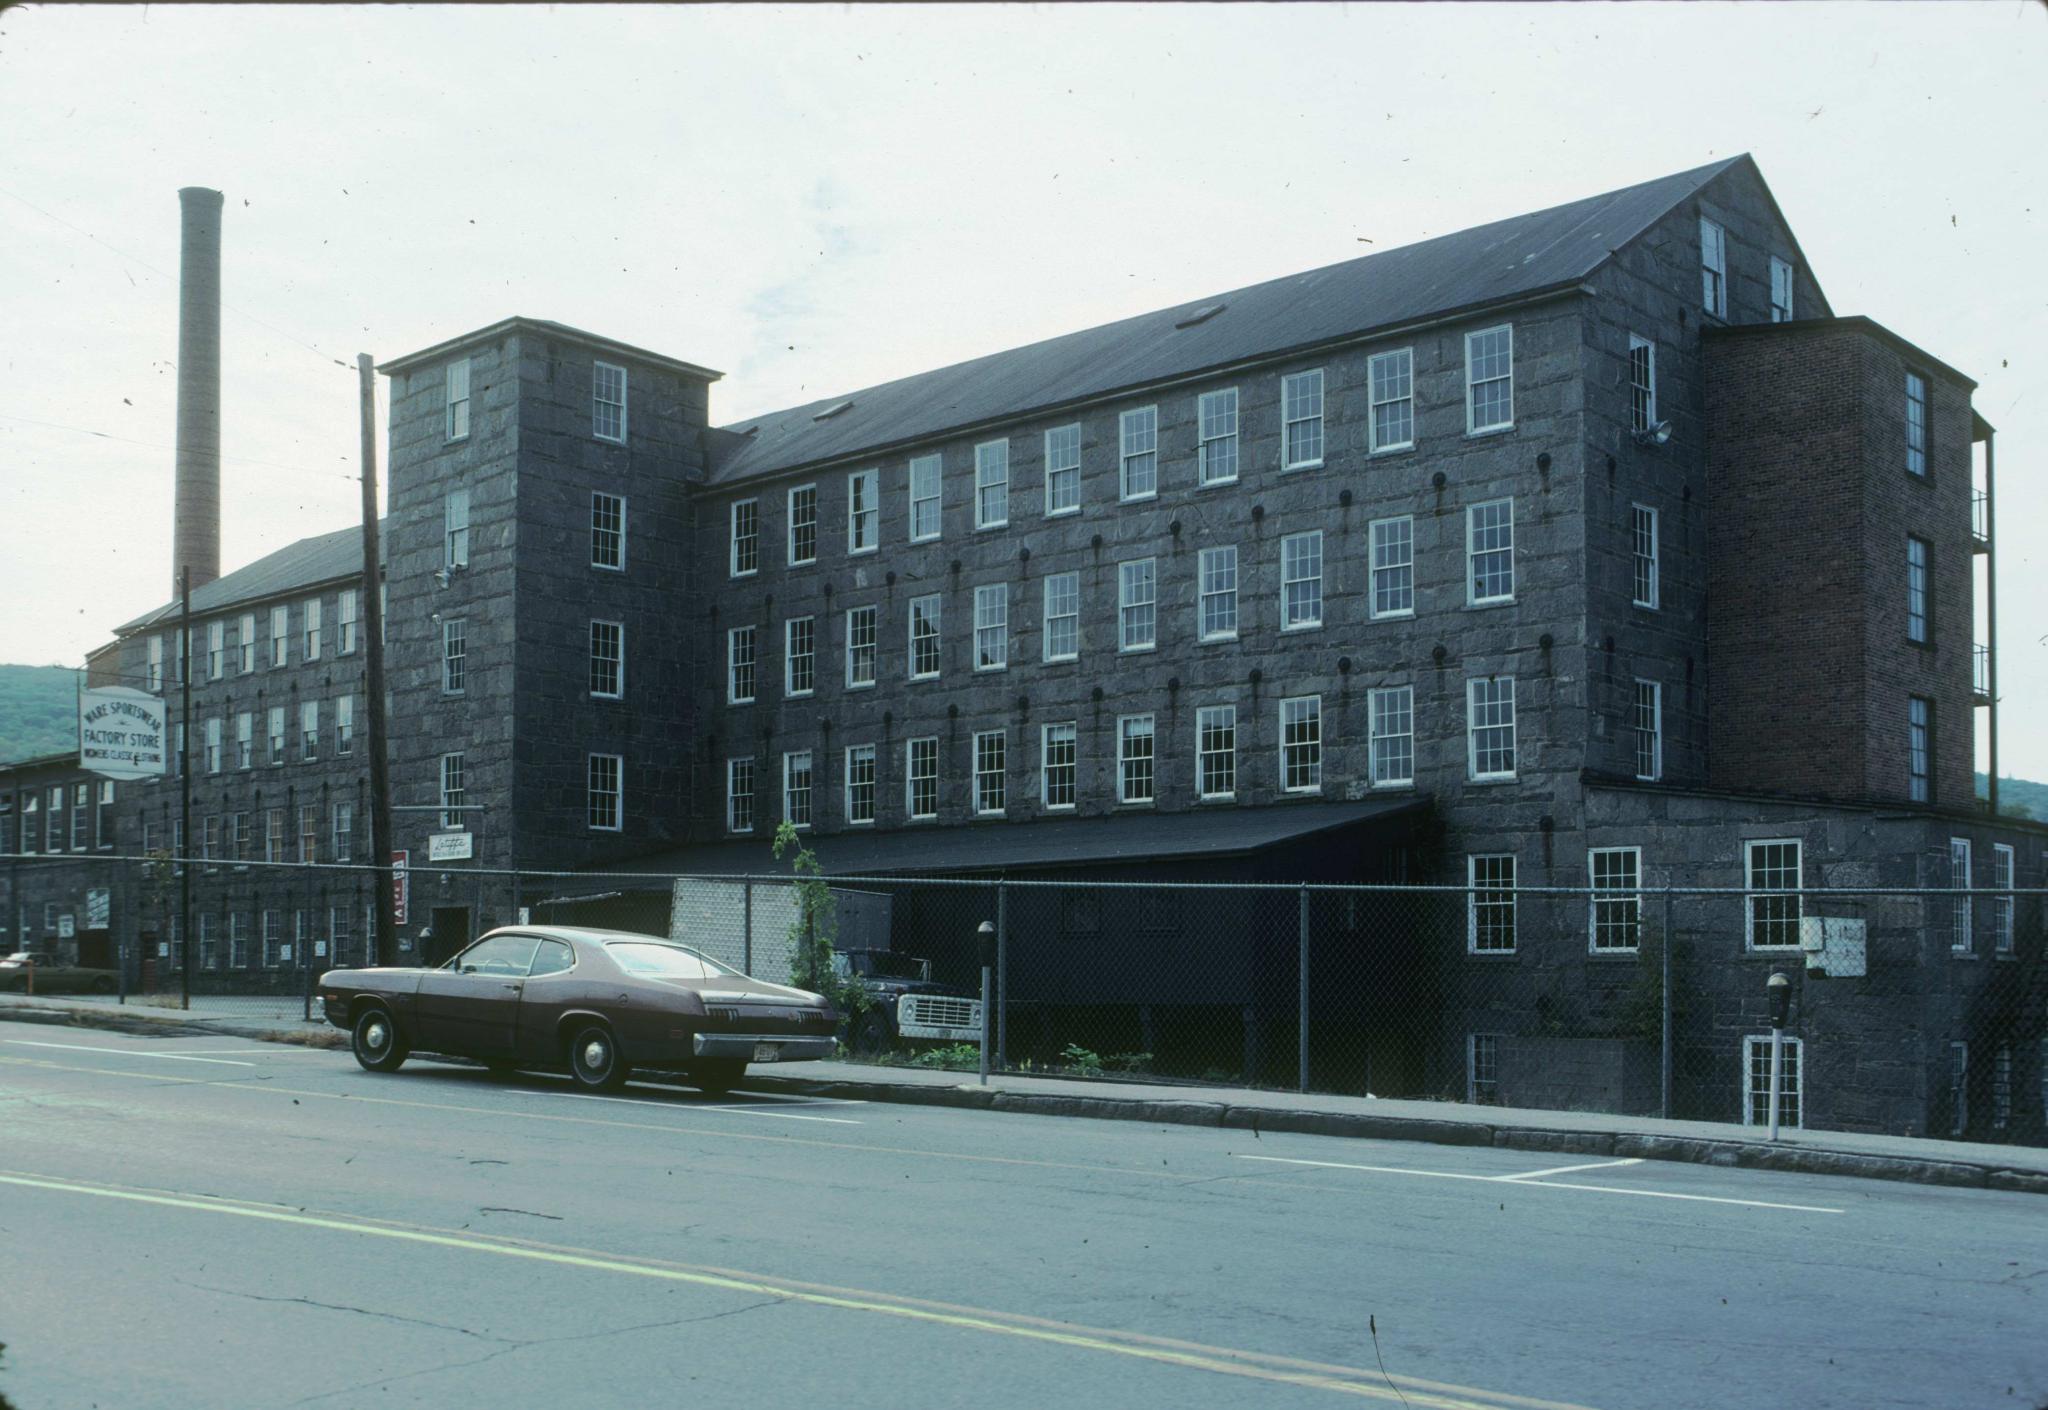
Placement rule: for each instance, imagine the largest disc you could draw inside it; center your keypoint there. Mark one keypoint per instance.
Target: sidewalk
(1916, 1159)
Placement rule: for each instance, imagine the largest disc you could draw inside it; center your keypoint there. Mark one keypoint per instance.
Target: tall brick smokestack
(195, 524)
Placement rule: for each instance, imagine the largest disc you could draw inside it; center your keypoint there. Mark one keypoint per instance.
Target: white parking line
(129, 1052)
(1570, 1169)
(1528, 1184)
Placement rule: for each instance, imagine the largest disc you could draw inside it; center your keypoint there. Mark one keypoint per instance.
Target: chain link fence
(1918, 1011)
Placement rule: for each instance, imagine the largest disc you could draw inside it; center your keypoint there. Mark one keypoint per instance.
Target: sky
(817, 199)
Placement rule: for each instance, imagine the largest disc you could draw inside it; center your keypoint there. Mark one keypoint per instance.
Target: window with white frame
(2001, 1087)
(311, 616)
(1301, 580)
(1392, 719)
(863, 512)
(1756, 1081)
(604, 806)
(1393, 567)
(309, 833)
(2002, 904)
(1137, 604)
(739, 795)
(454, 655)
(803, 525)
(245, 740)
(1138, 453)
(1774, 904)
(1781, 290)
(1490, 904)
(921, 777)
(281, 636)
(1919, 571)
(238, 838)
(1058, 753)
(344, 831)
(744, 556)
(1301, 420)
(924, 637)
(1920, 748)
(455, 530)
(274, 948)
(1490, 727)
(1063, 470)
(607, 531)
(1216, 449)
(926, 472)
(861, 626)
(1216, 751)
(81, 815)
(1490, 552)
(1614, 917)
(1713, 269)
(796, 788)
(1134, 759)
(1062, 616)
(209, 942)
(1642, 382)
(238, 940)
(1390, 378)
(1916, 423)
(1217, 581)
(992, 484)
(739, 666)
(452, 790)
(608, 401)
(1301, 744)
(209, 840)
(607, 660)
(860, 784)
(1649, 730)
(275, 733)
(1958, 1087)
(103, 822)
(1490, 379)
(1482, 1069)
(1963, 911)
(153, 667)
(799, 655)
(338, 931)
(245, 635)
(216, 650)
(992, 627)
(457, 427)
(1643, 533)
(347, 602)
(213, 761)
(991, 771)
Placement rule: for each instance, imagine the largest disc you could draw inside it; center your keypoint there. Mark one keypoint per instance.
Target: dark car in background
(905, 1005)
(33, 969)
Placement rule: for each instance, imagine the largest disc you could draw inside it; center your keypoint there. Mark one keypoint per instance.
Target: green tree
(815, 929)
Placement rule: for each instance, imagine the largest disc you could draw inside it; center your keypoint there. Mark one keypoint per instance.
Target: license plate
(766, 1052)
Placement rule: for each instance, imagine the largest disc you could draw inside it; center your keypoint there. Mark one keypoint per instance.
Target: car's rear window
(666, 961)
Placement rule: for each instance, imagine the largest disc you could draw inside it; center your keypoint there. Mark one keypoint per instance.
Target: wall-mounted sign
(67, 926)
(401, 885)
(451, 846)
(121, 732)
(98, 908)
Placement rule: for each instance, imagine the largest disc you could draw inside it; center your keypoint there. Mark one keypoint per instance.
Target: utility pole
(185, 787)
(384, 940)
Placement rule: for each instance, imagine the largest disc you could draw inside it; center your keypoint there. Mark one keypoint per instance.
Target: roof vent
(1202, 315)
(831, 411)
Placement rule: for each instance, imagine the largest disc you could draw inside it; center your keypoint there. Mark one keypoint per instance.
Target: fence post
(1665, 1024)
(306, 975)
(1301, 1011)
(747, 927)
(1002, 977)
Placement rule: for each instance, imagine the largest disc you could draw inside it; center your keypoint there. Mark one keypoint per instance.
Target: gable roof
(320, 559)
(1517, 258)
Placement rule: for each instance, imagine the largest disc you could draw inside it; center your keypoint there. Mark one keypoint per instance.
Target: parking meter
(1780, 990)
(985, 937)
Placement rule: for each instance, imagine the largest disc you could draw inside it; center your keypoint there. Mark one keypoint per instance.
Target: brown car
(599, 1003)
(26, 969)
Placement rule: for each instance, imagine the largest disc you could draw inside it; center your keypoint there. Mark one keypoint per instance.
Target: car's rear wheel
(594, 1059)
(718, 1076)
(379, 1045)
(868, 1035)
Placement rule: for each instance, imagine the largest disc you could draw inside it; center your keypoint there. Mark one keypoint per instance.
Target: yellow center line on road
(1228, 1361)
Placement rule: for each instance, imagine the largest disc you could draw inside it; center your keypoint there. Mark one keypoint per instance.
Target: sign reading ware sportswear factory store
(121, 732)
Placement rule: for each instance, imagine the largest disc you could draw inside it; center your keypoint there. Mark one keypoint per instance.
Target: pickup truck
(908, 1006)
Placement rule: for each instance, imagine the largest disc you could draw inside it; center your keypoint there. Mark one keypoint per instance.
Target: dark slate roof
(521, 323)
(320, 559)
(1518, 257)
(1057, 842)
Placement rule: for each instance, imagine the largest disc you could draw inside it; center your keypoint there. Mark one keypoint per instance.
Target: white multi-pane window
(275, 733)
(1390, 376)
(309, 832)
(1062, 616)
(863, 511)
(1614, 917)
(1772, 879)
(744, 556)
(925, 477)
(1301, 420)
(216, 650)
(345, 725)
(103, 821)
(739, 666)
(1756, 1081)
(1918, 572)
(453, 790)
(992, 627)
(860, 784)
(455, 530)
(1490, 552)
(608, 660)
(274, 948)
(2002, 904)
(1490, 904)
(457, 426)
(2001, 1087)
(607, 531)
(54, 831)
(209, 839)
(1217, 579)
(1216, 451)
(1301, 744)
(1216, 751)
(81, 815)
(1137, 604)
(604, 806)
(1490, 726)
(213, 762)
(1649, 729)
(1781, 290)
(739, 795)
(245, 740)
(861, 626)
(1643, 535)
(1490, 379)
(1392, 719)
(1713, 269)
(1301, 580)
(245, 633)
(799, 655)
(1393, 567)
(796, 788)
(347, 603)
(1482, 1069)
(1138, 453)
(803, 524)
(921, 777)
(1134, 759)
(991, 771)
(1920, 748)
(1063, 470)
(280, 636)
(344, 831)
(608, 402)
(310, 616)
(153, 667)
(1958, 1087)
(454, 655)
(1916, 423)
(1963, 913)
(1642, 382)
(924, 637)
(992, 484)
(1059, 766)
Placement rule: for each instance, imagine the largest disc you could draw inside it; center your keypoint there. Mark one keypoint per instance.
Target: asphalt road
(209, 1222)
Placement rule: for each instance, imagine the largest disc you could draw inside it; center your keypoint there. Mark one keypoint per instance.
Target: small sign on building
(401, 885)
(67, 926)
(98, 908)
(457, 846)
(121, 732)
